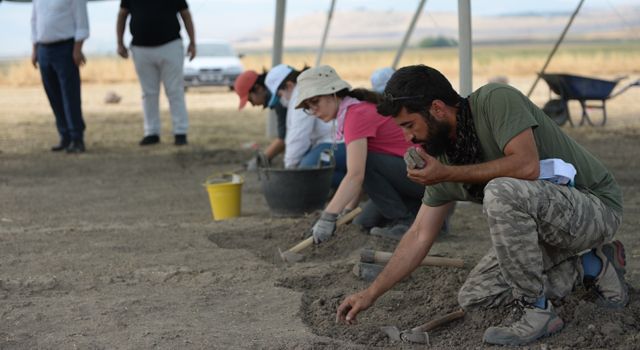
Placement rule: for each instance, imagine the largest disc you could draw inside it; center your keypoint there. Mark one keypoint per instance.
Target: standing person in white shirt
(307, 137)
(58, 30)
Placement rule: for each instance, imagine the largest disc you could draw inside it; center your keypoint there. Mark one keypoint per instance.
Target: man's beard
(438, 140)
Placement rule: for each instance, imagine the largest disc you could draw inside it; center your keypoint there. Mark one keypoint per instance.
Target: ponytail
(361, 94)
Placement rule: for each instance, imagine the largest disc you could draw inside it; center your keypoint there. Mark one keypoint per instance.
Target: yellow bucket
(224, 195)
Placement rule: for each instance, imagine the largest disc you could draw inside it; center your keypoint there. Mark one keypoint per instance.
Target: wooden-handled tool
(438, 321)
(292, 254)
(378, 257)
(420, 333)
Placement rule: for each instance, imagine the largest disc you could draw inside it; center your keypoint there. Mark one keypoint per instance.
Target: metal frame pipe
(325, 33)
(276, 58)
(555, 47)
(278, 33)
(464, 47)
(407, 34)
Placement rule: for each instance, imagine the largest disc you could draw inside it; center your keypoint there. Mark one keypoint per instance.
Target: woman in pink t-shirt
(375, 147)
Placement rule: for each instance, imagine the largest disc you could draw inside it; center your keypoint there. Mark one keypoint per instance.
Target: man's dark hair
(415, 88)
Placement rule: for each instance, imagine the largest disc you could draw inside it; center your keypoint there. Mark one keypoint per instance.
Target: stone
(112, 98)
(611, 329)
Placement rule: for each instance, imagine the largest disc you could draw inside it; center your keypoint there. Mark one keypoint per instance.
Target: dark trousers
(386, 183)
(312, 158)
(61, 80)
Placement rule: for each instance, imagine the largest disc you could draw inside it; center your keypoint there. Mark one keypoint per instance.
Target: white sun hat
(380, 77)
(318, 81)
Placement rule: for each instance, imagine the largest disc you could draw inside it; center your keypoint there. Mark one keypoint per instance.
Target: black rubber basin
(295, 192)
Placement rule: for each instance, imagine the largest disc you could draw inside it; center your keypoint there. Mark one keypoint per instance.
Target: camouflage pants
(537, 230)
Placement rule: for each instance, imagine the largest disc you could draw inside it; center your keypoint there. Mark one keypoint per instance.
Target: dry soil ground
(116, 248)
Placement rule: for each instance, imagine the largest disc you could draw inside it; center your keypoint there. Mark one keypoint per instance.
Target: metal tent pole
(407, 35)
(276, 58)
(278, 32)
(464, 48)
(555, 47)
(326, 32)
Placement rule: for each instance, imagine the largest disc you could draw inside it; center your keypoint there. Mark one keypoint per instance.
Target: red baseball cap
(243, 84)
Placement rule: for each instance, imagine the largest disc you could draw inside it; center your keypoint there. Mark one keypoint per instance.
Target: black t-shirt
(154, 22)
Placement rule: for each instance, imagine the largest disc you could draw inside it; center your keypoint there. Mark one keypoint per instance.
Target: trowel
(420, 333)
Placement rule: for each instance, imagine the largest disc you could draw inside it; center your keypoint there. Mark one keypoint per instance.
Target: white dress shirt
(303, 132)
(56, 20)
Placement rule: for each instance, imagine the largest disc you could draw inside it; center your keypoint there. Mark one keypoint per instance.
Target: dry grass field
(603, 60)
(23, 101)
(116, 249)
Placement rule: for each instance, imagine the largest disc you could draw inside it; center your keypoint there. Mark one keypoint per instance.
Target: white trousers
(153, 65)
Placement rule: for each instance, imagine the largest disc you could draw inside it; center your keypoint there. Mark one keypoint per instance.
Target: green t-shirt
(500, 113)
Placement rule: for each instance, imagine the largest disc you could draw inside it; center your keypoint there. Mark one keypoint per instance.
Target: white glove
(259, 160)
(252, 164)
(324, 227)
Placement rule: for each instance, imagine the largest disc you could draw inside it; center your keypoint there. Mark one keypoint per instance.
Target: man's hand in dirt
(122, 51)
(352, 305)
(324, 227)
(433, 172)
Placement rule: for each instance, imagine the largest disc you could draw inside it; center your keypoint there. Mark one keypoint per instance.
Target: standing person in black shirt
(158, 53)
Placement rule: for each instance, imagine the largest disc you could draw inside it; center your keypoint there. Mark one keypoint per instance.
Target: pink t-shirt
(382, 133)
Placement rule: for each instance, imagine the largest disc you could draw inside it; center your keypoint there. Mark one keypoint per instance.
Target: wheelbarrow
(573, 87)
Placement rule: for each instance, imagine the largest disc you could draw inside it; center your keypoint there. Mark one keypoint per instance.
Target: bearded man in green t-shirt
(546, 237)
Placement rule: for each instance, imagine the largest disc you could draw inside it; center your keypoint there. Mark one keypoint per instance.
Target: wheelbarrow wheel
(557, 110)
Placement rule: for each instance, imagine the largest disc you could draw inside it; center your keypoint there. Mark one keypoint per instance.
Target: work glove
(258, 160)
(413, 159)
(252, 164)
(324, 228)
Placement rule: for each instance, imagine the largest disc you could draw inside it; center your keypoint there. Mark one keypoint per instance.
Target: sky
(230, 19)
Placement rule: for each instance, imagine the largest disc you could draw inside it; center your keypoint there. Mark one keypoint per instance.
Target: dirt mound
(215, 156)
(268, 234)
(264, 236)
(325, 277)
(30, 285)
(431, 292)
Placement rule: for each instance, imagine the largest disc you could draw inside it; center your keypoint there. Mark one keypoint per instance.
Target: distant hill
(366, 28)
